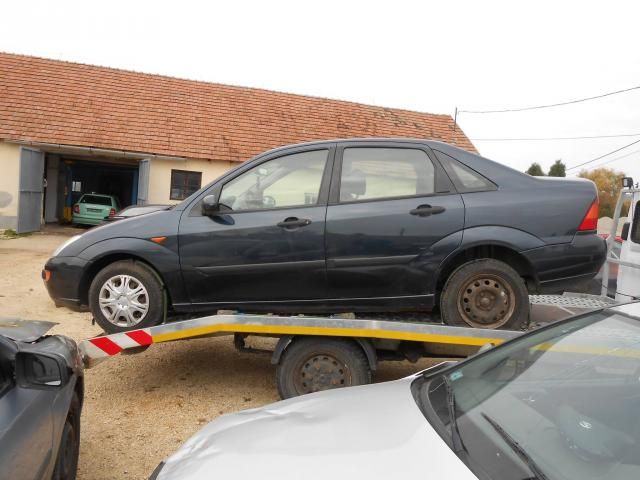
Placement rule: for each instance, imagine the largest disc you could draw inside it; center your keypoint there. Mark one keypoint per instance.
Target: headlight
(65, 245)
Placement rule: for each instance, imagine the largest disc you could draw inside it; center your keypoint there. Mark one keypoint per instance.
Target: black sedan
(41, 393)
(369, 225)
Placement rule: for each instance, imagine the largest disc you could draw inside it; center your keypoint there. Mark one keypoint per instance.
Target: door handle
(294, 222)
(426, 210)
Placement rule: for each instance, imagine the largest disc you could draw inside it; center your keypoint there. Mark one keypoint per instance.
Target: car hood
(24, 330)
(375, 431)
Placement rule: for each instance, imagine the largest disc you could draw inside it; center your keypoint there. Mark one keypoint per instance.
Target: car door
(393, 217)
(26, 425)
(628, 287)
(268, 246)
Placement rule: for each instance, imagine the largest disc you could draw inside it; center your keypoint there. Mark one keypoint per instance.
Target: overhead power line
(560, 104)
(614, 159)
(535, 139)
(602, 156)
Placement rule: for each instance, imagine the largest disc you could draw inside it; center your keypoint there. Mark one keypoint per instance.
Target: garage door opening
(70, 178)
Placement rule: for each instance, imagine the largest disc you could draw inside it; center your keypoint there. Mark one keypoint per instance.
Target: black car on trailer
(366, 225)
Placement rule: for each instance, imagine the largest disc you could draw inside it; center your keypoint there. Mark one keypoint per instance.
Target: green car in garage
(94, 209)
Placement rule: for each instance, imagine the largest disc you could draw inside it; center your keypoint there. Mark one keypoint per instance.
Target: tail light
(76, 208)
(112, 212)
(590, 220)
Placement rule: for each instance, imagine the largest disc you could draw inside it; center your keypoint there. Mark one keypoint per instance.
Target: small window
(635, 226)
(375, 173)
(287, 181)
(184, 183)
(464, 178)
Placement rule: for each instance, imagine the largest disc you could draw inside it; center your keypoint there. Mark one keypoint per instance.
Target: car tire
(117, 303)
(485, 293)
(311, 364)
(66, 466)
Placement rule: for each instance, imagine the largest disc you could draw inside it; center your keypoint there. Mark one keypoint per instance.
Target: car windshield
(561, 403)
(96, 200)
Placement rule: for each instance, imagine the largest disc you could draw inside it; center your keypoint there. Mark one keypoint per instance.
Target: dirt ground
(140, 408)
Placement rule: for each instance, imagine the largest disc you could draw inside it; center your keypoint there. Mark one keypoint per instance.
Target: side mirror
(625, 231)
(627, 182)
(41, 371)
(210, 206)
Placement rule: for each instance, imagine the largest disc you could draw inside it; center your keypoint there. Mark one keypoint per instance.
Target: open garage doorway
(75, 176)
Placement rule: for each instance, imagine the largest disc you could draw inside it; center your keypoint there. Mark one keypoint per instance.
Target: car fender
(491, 235)
(162, 257)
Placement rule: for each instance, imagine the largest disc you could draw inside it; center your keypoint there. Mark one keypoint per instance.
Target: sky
(426, 56)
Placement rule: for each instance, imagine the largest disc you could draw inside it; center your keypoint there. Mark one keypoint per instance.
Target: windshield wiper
(456, 439)
(517, 448)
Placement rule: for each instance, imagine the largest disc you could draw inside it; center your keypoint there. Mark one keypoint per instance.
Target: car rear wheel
(126, 295)
(485, 293)
(312, 364)
(67, 461)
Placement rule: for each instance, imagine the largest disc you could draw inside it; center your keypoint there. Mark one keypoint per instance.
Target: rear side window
(96, 200)
(465, 179)
(635, 226)
(377, 173)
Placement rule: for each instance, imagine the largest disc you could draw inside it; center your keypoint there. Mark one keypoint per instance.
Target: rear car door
(26, 425)
(393, 217)
(268, 246)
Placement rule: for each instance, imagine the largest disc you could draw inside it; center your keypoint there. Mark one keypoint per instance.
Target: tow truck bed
(387, 339)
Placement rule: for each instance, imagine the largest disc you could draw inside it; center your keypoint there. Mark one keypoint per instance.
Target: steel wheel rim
(486, 301)
(319, 372)
(124, 301)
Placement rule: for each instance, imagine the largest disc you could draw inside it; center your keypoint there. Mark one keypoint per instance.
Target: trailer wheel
(485, 293)
(312, 364)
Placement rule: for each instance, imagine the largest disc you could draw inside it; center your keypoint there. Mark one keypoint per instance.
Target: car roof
(98, 195)
(417, 141)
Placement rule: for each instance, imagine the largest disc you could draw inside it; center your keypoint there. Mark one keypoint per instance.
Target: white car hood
(375, 431)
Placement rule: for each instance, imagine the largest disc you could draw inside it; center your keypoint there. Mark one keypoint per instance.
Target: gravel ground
(140, 408)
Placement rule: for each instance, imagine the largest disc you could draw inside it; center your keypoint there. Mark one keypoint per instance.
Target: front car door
(268, 246)
(393, 217)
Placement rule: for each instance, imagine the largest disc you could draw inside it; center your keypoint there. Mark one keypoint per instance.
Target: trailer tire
(312, 364)
(138, 273)
(485, 293)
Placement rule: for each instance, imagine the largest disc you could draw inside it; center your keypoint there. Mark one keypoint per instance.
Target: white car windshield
(561, 403)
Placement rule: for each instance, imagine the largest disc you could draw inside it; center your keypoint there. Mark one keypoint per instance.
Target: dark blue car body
(385, 254)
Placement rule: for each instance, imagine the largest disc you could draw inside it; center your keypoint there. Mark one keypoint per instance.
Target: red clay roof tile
(51, 101)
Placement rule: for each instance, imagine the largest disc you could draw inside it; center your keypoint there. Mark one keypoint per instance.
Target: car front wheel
(126, 295)
(67, 461)
(485, 293)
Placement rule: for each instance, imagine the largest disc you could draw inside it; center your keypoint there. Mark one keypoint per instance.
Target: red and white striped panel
(108, 345)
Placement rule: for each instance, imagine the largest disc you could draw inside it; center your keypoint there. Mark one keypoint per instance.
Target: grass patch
(10, 233)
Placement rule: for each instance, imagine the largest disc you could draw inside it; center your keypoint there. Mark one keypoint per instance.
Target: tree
(609, 184)
(535, 170)
(558, 169)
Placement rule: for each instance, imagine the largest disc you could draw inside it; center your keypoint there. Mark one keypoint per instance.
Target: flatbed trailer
(317, 353)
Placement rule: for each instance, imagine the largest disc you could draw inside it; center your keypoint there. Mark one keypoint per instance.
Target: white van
(629, 276)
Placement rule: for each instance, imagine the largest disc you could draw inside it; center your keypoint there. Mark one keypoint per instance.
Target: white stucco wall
(160, 175)
(9, 182)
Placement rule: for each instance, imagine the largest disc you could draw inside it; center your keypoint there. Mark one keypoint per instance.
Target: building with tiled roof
(152, 139)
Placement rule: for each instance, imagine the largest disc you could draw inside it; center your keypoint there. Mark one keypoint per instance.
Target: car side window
(377, 173)
(288, 181)
(464, 178)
